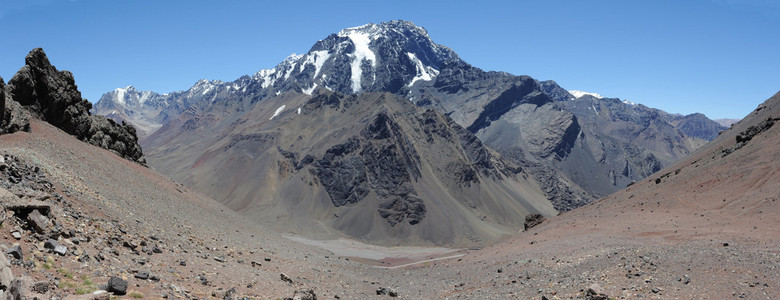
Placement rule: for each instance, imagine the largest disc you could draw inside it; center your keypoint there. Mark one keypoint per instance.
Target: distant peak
(375, 30)
(129, 88)
(578, 94)
(292, 57)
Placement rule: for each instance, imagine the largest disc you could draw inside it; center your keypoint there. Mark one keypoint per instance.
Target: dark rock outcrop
(533, 220)
(53, 96)
(50, 94)
(118, 138)
(12, 117)
(745, 136)
(381, 160)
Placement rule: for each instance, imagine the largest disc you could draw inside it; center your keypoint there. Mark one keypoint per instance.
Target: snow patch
(120, 95)
(316, 58)
(578, 94)
(299, 110)
(145, 96)
(278, 111)
(309, 90)
(629, 103)
(423, 72)
(360, 40)
(266, 75)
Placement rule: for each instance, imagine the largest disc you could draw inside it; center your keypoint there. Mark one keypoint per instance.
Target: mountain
(726, 122)
(373, 166)
(576, 147)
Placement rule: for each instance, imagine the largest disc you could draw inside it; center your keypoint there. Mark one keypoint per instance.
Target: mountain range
(85, 219)
(564, 148)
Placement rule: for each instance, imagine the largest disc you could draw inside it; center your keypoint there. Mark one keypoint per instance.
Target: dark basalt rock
(118, 138)
(117, 285)
(345, 180)
(745, 136)
(50, 94)
(53, 96)
(12, 117)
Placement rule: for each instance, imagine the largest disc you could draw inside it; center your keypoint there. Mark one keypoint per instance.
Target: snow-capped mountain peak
(391, 56)
(578, 93)
(369, 57)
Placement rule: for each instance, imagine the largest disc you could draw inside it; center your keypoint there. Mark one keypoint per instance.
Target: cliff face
(52, 95)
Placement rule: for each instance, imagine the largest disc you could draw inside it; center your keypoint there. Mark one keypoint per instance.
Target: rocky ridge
(533, 122)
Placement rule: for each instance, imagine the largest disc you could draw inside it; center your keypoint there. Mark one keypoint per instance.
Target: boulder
(16, 252)
(533, 220)
(117, 285)
(23, 288)
(6, 277)
(595, 292)
(50, 244)
(61, 250)
(143, 275)
(286, 278)
(38, 221)
(307, 294)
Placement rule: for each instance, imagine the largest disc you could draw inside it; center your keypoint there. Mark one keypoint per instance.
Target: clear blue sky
(719, 57)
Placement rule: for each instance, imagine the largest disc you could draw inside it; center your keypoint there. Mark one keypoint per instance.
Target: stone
(143, 275)
(50, 244)
(6, 277)
(533, 220)
(117, 285)
(306, 294)
(223, 294)
(17, 235)
(285, 278)
(16, 252)
(19, 289)
(38, 221)
(61, 250)
(219, 258)
(595, 292)
(41, 287)
(392, 293)
(100, 295)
